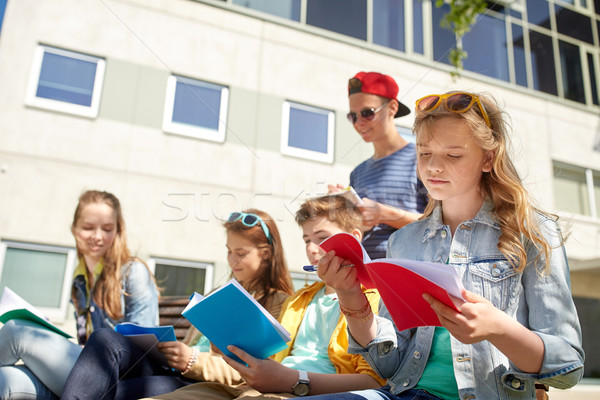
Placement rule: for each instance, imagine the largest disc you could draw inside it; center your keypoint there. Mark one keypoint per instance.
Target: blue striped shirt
(390, 180)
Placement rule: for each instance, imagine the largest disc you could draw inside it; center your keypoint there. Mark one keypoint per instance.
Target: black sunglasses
(366, 113)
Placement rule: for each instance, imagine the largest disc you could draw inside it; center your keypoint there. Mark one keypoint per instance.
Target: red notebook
(401, 283)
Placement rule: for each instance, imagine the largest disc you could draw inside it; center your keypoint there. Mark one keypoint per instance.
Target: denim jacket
(139, 306)
(542, 303)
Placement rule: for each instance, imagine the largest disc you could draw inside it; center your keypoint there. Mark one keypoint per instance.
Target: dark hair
(276, 276)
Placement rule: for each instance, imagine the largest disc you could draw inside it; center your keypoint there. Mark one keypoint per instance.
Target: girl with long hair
(516, 323)
(109, 286)
(112, 367)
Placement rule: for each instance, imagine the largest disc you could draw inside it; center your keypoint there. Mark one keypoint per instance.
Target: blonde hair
(108, 289)
(513, 205)
(336, 209)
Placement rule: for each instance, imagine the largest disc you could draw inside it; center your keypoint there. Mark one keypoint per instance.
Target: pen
(313, 268)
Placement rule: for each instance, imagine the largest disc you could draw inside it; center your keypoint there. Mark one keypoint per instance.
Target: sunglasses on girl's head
(250, 220)
(455, 102)
(366, 113)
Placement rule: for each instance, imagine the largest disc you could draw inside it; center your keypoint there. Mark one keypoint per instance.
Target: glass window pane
(519, 55)
(572, 75)
(597, 8)
(308, 130)
(570, 189)
(418, 46)
(289, 9)
(196, 104)
(388, 24)
(538, 13)
(573, 24)
(348, 17)
(44, 272)
(593, 79)
(489, 56)
(178, 280)
(542, 63)
(444, 39)
(66, 79)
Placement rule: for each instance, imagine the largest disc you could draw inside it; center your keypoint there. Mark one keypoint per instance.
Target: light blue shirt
(543, 304)
(310, 350)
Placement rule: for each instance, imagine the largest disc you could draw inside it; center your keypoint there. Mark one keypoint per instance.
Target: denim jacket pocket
(496, 280)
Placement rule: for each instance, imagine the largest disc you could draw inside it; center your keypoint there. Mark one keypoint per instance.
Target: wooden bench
(169, 313)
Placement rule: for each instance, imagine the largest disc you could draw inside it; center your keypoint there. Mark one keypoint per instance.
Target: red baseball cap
(379, 84)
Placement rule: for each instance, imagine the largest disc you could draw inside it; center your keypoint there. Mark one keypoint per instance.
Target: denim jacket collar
(484, 216)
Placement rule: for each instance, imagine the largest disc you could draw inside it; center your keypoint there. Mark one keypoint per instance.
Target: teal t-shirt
(312, 340)
(438, 377)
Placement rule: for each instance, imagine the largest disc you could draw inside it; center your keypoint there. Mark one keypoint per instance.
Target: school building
(188, 110)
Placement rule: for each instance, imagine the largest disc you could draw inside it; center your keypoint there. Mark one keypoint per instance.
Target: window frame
(304, 153)
(178, 128)
(55, 314)
(589, 174)
(173, 262)
(32, 100)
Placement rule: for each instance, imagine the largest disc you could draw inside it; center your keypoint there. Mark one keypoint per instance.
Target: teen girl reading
(109, 286)
(112, 367)
(517, 323)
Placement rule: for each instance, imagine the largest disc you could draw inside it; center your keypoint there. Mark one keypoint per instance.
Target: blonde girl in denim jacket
(109, 286)
(517, 324)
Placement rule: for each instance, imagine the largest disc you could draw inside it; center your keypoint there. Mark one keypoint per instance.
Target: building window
(195, 108)
(487, 57)
(571, 72)
(307, 132)
(40, 274)
(348, 17)
(65, 81)
(288, 9)
(389, 29)
(181, 278)
(576, 189)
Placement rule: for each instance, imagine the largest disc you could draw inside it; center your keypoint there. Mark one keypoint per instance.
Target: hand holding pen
(314, 268)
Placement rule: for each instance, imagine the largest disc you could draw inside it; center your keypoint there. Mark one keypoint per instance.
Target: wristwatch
(301, 388)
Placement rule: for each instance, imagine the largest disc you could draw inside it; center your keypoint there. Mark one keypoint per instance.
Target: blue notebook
(162, 333)
(147, 337)
(230, 315)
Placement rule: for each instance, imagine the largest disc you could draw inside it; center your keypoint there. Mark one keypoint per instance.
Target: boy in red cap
(387, 182)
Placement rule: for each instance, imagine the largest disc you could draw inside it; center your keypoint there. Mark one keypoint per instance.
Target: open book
(231, 316)
(350, 194)
(13, 306)
(146, 337)
(401, 283)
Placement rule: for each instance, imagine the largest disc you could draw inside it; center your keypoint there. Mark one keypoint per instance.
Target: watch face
(301, 389)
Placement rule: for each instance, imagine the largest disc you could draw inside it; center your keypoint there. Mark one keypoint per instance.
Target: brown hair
(107, 290)
(513, 205)
(335, 208)
(276, 276)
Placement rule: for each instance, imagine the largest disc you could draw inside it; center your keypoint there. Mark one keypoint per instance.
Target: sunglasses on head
(366, 113)
(455, 103)
(250, 220)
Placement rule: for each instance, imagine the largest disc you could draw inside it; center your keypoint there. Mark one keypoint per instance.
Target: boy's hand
(476, 320)
(371, 213)
(266, 376)
(332, 273)
(334, 188)
(176, 353)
